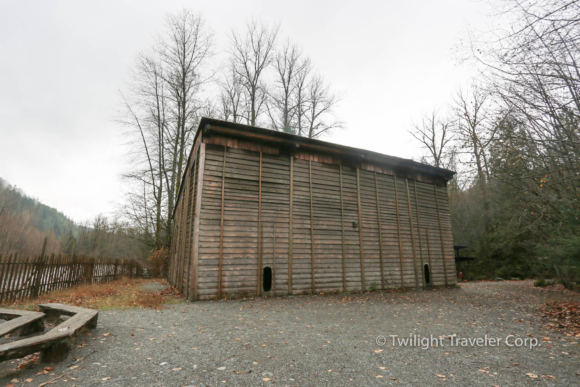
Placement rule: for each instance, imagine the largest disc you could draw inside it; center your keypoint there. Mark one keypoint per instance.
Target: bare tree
(231, 102)
(283, 106)
(319, 108)
(251, 54)
(184, 50)
(301, 87)
(161, 112)
(434, 133)
(474, 130)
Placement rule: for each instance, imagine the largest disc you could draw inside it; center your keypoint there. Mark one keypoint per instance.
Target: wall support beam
(441, 236)
(342, 228)
(290, 232)
(429, 253)
(222, 226)
(360, 234)
(191, 230)
(259, 284)
(419, 229)
(412, 234)
(311, 227)
(380, 233)
(193, 293)
(399, 233)
(274, 256)
(184, 211)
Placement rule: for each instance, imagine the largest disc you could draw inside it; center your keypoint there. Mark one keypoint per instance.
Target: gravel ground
(326, 341)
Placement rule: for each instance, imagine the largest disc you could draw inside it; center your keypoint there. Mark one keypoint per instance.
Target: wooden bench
(24, 321)
(53, 345)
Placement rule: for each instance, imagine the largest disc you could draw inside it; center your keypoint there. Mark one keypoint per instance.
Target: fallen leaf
(441, 376)
(379, 376)
(176, 369)
(266, 379)
(107, 378)
(533, 376)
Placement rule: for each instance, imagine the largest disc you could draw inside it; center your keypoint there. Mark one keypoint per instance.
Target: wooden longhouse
(262, 212)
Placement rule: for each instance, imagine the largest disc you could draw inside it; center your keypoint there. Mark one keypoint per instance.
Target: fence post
(92, 276)
(72, 263)
(39, 269)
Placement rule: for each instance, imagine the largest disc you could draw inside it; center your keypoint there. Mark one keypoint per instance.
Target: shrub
(540, 282)
(159, 261)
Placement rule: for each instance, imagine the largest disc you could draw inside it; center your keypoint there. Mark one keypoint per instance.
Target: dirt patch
(119, 294)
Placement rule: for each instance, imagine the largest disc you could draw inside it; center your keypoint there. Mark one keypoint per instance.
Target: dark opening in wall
(427, 274)
(267, 279)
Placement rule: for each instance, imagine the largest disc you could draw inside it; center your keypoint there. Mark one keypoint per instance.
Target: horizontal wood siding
(351, 234)
(370, 228)
(301, 242)
(275, 218)
(240, 244)
(327, 227)
(422, 225)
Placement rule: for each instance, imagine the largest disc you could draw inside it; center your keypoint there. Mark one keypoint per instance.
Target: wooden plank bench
(24, 321)
(53, 345)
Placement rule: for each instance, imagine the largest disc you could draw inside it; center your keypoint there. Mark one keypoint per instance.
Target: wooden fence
(30, 276)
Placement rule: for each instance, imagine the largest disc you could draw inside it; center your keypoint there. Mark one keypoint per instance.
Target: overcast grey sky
(62, 64)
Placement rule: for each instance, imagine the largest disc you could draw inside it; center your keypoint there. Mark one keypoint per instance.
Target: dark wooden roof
(207, 126)
(275, 137)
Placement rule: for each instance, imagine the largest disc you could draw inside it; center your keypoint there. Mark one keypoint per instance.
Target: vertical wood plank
(4, 261)
(412, 234)
(311, 228)
(259, 277)
(192, 225)
(39, 270)
(399, 233)
(419, 228)
(29, 278)
(441, 236)
(342, 230)
(13, 275)
(429, 255)
(185, 199)
(274, 257)
(19, 283)
(72, 263)
(290, 232)
(193, 294)
(360, 233)
(6, 277)
(222, 226)
(380, 233)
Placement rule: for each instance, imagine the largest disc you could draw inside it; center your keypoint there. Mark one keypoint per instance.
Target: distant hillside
(42, 217)
(25, 222)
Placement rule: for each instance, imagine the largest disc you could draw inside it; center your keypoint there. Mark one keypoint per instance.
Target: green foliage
(540, 282)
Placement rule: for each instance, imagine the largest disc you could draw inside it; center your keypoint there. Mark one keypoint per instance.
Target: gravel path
(327, 341)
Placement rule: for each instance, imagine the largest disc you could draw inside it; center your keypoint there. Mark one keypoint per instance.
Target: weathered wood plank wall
(319, 225)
